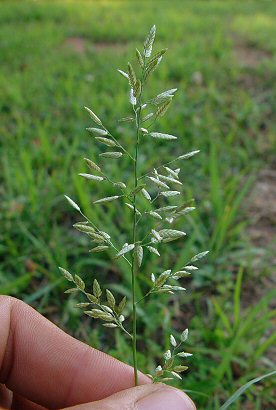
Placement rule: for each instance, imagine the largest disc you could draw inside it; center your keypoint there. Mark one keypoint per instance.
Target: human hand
(41, 367)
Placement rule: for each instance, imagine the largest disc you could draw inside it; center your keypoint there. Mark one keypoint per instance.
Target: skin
(41, 367)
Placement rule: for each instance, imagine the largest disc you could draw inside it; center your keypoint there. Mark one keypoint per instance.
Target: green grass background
(58, 56)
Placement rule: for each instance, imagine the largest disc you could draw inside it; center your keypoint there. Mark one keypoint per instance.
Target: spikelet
(93, 116)
(149, 42)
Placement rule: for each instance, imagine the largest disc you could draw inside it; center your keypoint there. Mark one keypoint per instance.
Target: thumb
(146, 397)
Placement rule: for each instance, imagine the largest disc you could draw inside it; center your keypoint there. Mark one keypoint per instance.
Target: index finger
(42, 363)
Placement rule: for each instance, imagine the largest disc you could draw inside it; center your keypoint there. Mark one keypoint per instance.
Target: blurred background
(56, 57)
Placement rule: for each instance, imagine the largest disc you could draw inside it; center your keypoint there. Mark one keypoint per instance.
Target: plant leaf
(240, 391)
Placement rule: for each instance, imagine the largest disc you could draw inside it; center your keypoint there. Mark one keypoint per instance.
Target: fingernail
(165, 399)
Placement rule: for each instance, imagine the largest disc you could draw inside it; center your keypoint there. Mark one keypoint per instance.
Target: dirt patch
(76, 44)
(261, 212)
(262, 233)
(80, 44)
(248, 54)
(262, 209)
(248, 81)
(102, 46)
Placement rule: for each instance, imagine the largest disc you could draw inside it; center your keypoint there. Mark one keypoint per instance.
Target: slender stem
(118, 143)
(133, 270)
(116, 320)
(134, 267)
(124, 330)
(113, 182)
(145, 296)
(160, 166)
(108, 241)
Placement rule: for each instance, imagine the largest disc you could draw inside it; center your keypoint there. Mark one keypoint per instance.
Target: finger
(20, 403)
(47, 366)
(147, 397)
(15, 402)
(5, 396)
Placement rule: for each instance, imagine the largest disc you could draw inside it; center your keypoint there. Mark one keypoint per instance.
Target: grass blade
(242, 389)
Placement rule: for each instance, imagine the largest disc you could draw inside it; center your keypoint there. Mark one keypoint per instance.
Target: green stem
(117, 143)
(144, 297)
(156, 168)
(108, 241)
(134, 267)
(116, 320)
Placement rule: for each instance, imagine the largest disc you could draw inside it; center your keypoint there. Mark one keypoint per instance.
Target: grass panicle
(158, 190)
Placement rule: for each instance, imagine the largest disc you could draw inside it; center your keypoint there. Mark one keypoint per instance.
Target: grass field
(57, 57)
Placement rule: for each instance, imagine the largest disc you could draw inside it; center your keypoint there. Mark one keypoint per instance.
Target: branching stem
(118, 143)
(160, 166)
(109, 241)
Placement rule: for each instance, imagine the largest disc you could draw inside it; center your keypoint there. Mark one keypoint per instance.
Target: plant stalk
(134, 266)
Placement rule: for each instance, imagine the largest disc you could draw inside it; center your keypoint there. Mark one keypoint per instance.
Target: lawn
(59, 56)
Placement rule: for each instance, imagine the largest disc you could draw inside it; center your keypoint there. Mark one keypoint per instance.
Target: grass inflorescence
(157, 214)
